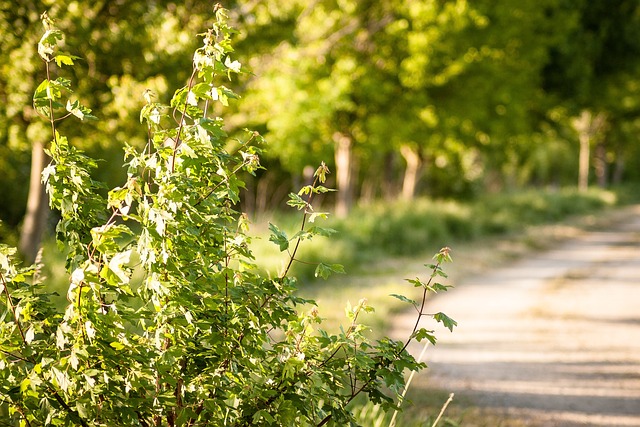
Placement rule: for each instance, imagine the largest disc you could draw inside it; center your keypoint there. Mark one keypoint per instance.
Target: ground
(551, 338)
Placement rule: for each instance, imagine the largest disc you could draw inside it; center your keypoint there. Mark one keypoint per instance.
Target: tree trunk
(618, 169)
(583, 165)
(37, 206)
(344, 169)
(589, 127)
(389, 184)
(412, 172)
(600, 165)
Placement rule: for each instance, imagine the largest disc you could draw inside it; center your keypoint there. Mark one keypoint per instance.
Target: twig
(406, 387)
(444, 408)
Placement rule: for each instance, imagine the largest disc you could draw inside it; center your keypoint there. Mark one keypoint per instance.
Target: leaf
(117, 345)
(79, 111)
(325, 270)
(422, 333)
(321, 189)
(314, 215)
(295, 201)
(322, 231)
(65, 59)
(445, 320)
(262, 414)
(29, 335)
(403, 299)
(416, 282)
(278, 237)
(119, 260)
(48, 42)
(438, 287)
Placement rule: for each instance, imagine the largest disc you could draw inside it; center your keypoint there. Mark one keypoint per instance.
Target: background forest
(438, 98)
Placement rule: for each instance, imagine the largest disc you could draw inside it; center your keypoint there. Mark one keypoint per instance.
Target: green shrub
(167, 322)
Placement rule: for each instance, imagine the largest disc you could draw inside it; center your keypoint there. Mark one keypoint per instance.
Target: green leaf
(48, 43)
(438, 287)
(322, 231)
(422, 333)
(278, 237)
(295, 201)
(65, 59)
(416, 282)
(79, 111)
(445, 320)
(321, 189)
(403, 299)
(262, 414)
(117, 345)
(325, 270)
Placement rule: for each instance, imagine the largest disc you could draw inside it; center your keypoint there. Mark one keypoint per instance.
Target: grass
(422, 408)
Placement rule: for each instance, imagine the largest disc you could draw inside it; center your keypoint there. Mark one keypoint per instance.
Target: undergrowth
(377, 231)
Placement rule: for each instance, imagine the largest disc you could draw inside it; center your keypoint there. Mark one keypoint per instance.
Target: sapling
(167, 321)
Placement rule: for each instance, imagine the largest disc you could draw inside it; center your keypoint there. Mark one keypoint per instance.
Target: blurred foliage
(481, 93)
(372, 232)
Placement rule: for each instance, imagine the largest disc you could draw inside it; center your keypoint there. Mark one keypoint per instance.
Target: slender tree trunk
(37, 206)
(583, 165)
(389, 184)
(344, 169)
(412, 172)
(600, 165)
(589, 127)
(618, 169)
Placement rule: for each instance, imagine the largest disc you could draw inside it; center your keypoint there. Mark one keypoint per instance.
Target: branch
(13, 308)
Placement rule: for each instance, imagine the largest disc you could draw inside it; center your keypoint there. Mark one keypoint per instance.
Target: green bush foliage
(167, 321)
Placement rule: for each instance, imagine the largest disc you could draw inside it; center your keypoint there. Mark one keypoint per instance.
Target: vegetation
(374, 232)
(436, 117)
(167, 321)
(412, 98)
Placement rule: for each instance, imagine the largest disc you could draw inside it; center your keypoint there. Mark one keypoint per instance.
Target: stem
(444, 408)
(215, 187)
(406, 387)
(353, 396)
(12, 307)
(24, 417)
(51, 116)
(176, 144)
(304, 223)
(423, 303)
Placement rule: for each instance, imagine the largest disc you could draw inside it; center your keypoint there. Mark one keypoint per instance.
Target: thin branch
(176, 143)
(444, 408)
(12, 307)
(423, 303)
(302, 226)
(406, 387)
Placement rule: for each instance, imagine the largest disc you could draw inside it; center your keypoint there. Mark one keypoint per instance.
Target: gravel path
(552, 339)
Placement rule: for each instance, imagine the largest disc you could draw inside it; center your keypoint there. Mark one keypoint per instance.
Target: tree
(593, 71)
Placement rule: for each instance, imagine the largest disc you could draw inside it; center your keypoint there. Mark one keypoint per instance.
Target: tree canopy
(402, 98)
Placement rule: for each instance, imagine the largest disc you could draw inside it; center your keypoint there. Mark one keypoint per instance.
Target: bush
(167, 322)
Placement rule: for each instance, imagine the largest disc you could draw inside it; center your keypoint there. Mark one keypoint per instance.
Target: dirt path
(552, 339)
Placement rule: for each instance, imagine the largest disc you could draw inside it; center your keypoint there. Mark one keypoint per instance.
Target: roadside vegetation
(373, 233)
